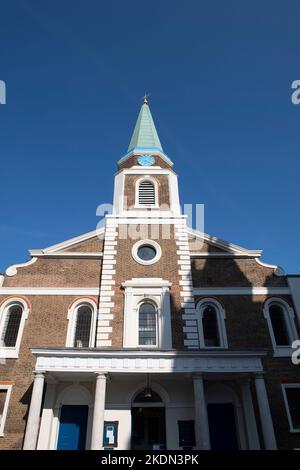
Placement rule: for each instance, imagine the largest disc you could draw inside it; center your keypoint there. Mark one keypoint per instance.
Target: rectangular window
(186, 433)
(291, 393)
(5, 391)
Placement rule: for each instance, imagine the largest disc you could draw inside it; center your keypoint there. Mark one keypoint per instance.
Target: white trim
(156, 291)
(12, 352)
(13, 269)
(140, 243)
(74, 240)
(8, 389)
(286, 403)
(138, 152)
(278, 270)
(241, 291)
(215, 241)
(72, 318)
(146, 282)
(143, 361)
(281, 351)
(221, 316)
(66, 254)
(216, 254)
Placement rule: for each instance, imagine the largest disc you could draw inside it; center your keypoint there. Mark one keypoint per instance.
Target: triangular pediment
(90, 242)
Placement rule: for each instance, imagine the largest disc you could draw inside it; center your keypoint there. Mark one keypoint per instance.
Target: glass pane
(293, 397)
(210, 327)
(2, 401)
(147, 324)
(279, 325)
(14, 316)
(146, 252)
(83, 327)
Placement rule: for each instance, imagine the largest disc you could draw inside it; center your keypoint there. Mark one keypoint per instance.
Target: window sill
(9, 353)
(146, 207)
(283, 352)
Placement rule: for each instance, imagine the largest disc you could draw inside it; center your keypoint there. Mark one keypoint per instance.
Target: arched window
(11, 326)
(280, 318)
(146, 193)
(82, 324)
(147, 324)
(279, 325)
(13, 314)
(211, 324)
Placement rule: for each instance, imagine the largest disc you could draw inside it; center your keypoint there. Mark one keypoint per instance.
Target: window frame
(137, 204)
(289, 315)
(8, 388)
(154, 304)
(12, 352)
(287, 408)
(220, 316)
(72, 320)
(151, 243)
(136, 291)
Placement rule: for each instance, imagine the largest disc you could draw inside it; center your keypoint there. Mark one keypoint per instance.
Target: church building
(146, 333)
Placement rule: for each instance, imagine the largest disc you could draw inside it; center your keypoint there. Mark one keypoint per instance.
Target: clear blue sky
(219, 74)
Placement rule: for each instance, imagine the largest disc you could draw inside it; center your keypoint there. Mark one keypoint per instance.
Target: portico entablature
(137, 361)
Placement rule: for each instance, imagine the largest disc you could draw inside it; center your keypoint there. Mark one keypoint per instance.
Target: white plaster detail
(140, 243)
(13, 269)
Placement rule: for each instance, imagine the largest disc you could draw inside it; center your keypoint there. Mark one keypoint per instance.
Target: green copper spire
(144, 135)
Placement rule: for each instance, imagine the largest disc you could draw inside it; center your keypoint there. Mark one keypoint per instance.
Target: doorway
(72, 427)
(148, 428)
(148, 421)
(222, 426)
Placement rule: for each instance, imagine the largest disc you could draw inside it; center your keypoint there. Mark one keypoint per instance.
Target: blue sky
(220, 76)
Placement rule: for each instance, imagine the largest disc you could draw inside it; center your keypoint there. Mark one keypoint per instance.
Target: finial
(146, 96)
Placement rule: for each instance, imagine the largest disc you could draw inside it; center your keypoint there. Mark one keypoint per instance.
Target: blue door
(72, 429)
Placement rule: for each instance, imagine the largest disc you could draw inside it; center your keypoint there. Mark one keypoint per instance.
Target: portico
(190, 387)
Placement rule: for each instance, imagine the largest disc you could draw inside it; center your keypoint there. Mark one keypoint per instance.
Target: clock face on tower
(146, 160)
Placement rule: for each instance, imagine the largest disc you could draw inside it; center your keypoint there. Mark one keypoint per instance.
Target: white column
(45, 435)
(265, 413)
(201, 419)
(33, 420)
(98, 415)
(253, 441)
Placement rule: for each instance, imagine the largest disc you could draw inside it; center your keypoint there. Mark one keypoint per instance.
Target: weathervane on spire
(146, 96)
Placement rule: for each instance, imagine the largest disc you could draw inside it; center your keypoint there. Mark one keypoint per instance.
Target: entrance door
(222, 426)
(72, 428)
(148, 428)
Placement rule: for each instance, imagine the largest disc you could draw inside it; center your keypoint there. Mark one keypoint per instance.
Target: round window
(146, 252)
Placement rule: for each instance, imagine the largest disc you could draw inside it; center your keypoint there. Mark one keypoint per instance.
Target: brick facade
(97, 267)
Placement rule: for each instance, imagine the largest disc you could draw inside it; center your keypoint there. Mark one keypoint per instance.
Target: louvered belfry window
(83, 327)
(146, 193)
(11, 326)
